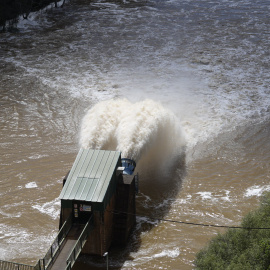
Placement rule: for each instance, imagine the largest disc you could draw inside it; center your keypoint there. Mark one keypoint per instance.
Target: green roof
(91, 175)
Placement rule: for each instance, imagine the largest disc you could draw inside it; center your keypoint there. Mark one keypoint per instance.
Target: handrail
(44, 263)
(74, 254)
(56, 245)
(6, 265)
(68, 265)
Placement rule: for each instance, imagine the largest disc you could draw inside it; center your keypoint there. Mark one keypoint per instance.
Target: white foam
(227, 197)
(256, 190)
(154, 252)
(171, 253)
(132, 128)
(37, 156)
(49, 208)
(9, 215)
(16, 238)
(205, 194)
(31, 185)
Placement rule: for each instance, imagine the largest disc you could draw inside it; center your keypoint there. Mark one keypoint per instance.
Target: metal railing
(5, 265)
(51, 254)
(56, 245)
(74, 254)
(68, 265)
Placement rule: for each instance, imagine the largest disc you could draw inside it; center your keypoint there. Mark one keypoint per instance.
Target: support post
(106, 254)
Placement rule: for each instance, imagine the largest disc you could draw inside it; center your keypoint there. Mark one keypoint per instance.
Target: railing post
(106, 254)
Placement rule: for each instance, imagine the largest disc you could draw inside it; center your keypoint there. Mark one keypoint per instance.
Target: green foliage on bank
(240, 249)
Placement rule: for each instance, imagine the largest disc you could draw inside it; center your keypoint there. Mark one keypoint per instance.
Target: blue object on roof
(129, 165)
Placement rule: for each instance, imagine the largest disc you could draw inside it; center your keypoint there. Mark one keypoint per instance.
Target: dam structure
(98, 209)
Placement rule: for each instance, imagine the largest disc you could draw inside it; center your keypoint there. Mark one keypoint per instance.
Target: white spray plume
(131, 128)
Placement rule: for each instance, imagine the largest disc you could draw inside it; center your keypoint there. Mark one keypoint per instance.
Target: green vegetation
(241, 249)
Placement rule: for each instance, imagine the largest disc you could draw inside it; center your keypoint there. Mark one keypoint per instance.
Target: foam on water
(16, 238)
(205, 195)
(172, 253)
(31, 185)
(131, 128)
(49, 208)
(256, 190)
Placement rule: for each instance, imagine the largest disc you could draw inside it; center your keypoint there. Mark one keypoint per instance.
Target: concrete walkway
(61, 261)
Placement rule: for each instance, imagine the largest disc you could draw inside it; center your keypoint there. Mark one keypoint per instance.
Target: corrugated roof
(90, 175)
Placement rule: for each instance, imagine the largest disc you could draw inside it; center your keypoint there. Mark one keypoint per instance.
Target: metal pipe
(106, 254)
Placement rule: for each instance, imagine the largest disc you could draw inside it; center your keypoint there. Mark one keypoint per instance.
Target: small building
(102, 186)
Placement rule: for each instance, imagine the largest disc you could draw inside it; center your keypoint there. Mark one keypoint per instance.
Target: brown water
(207, 62)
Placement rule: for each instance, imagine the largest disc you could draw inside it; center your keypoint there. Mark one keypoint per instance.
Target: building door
(82, 211)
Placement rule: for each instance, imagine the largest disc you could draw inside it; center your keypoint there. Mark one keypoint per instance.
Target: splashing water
(134, 129)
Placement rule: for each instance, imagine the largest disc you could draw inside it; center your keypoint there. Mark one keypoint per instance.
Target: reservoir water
(185, 82)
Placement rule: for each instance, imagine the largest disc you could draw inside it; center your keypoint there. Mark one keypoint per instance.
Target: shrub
(243, 249)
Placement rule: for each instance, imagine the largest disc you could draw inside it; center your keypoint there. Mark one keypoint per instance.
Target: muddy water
(206, 61)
